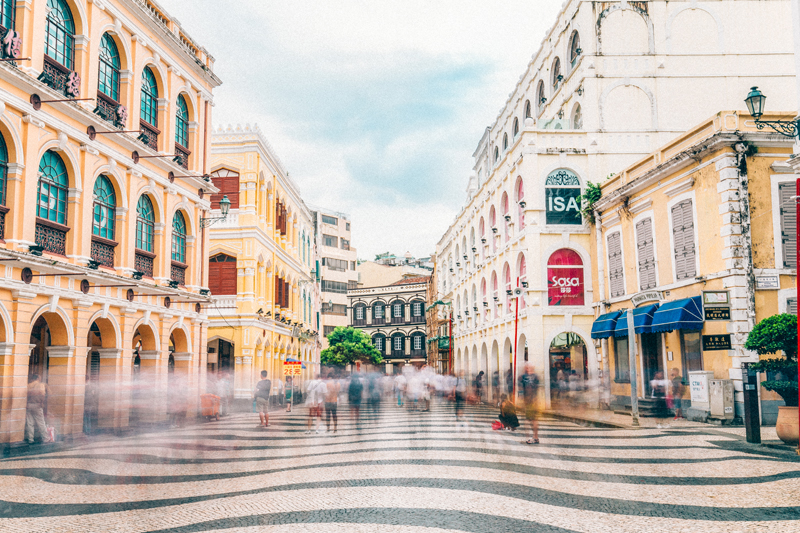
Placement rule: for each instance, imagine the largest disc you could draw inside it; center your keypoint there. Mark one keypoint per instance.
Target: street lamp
(755, 106)
(788, 128)
(224, 207)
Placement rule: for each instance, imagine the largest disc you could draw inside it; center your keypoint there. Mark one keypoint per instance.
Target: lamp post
(788, 128)
(224, 207)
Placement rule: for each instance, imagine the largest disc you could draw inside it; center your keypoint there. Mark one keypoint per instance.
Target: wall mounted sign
(565, 278)
(647, 296)
(716, 298)
(717, 313)
(717, 342)
(562, 198)
(768, 282)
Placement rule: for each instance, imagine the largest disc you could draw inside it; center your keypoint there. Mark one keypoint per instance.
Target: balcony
(51, 236)
(417, 320)
(398, 320)
(103, 251)
(57, 77)
(107, 109)
(178, 272)
(359, 322)
(378, 321)
(3, 211)
(150, 134)
(143, 262)
(182, 155)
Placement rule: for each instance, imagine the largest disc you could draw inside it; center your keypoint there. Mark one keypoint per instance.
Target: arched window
(495, 295)
(562, 197)
(149, 108)
(145, 224)
(528, 113)
(484, 302)
(505, 142)
(556, 73)
(417, 343)
(506, 217)
(496, 154)
(540, 98)
(515, 130)
(182, 123)
(565, 278)
(104, 208)
(522, 273)
(398, 345)
(418, 311)
(577, 118)
(398, 312)
(574, 49)
(359, 315)
(3, 172)
(7, 14)
(179, 238)
(59, 43)
(507, 285)
(108, 74)
(53, 185)
(378, 313)
(520, 193)
(379, 342)
(493, 224)
(222, 274)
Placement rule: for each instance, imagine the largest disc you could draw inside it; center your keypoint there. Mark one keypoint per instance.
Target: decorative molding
(680, 187)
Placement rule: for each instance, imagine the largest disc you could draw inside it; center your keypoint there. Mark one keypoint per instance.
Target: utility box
(698, 388)
(721, 398)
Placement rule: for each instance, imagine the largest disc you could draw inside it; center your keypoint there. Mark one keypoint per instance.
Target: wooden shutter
(615, 270)
(222, 275)
(788, 213)
(791, 306)
(683, 236)
(228, 186)
(647, 260)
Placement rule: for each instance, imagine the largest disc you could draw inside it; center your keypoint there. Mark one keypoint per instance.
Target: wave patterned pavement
(401, 471)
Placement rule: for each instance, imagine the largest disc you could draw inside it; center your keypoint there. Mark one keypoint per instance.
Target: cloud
(375, 107)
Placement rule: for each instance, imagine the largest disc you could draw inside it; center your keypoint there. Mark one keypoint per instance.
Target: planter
(787, 425)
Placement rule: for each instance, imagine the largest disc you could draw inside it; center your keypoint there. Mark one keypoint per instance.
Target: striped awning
(681, 314)
(604, 325)
(642, 321)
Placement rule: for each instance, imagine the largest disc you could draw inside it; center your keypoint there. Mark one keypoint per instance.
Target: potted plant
(776, 334)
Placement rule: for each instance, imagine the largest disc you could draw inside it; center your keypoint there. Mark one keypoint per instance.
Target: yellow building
(94, 238)
(260, 263)
(698, 238)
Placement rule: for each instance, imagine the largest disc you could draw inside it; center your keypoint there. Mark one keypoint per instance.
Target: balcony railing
(55, 76)
(398, 353)
(151, 133)
(398, 320)
(51, 237)
(418, 353)
(3, 211)
(143, 262)
(103, 252)
(359, 321)
(178, 273)
(183, 155)
(416, 320)
(378, 321)
(107, 109)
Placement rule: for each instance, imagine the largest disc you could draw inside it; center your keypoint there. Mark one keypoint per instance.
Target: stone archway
(569, 365)
(178, 369)
(104, 377)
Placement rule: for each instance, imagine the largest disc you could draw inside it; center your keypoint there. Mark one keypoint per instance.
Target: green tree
(773, 335)
(347, 345)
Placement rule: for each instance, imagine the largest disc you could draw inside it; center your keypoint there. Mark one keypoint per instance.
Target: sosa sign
(565, 286)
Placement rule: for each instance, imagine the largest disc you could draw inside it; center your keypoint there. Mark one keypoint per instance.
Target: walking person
(529, 383)
(659, 387)
(315, 398)
(478, 385)
(496, 385)
(460, 396)
(331, 402)
(355, 392)
(677, 392)
(35, 426)
(261, 394)
(289, 388)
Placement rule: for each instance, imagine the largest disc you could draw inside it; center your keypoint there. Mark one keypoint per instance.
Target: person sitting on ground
(508, 413)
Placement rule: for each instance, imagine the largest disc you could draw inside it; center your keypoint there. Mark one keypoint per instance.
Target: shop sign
(565, 286)
(647, 296)
(292, 368)
(717, 342)
(698, 387)
(717, 313)
(768, 282)
(716, 298)
(563, 198)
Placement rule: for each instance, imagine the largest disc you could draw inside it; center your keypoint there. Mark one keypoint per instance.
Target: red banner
(565, 285)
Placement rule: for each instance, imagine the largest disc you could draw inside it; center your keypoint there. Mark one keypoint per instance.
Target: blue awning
(680, 314)
(293, 360)
(603, 326)
(642, 318)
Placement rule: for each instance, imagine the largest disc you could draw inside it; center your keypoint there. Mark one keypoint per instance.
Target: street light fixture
(755, 106)
(224, 207)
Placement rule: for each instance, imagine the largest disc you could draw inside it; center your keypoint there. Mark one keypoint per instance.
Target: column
(113, 392)
(150, 388)
(13, 390)
(65, 389)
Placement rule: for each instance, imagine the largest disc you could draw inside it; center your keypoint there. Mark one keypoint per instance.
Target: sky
(375, 107)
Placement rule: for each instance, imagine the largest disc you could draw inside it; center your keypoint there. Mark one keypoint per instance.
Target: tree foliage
(775, 334)
(347, 345)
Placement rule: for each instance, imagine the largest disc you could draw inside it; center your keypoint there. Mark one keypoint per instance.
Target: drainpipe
(601, 287)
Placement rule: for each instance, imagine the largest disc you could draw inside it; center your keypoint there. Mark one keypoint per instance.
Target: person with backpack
(529, 385)
(261, 394)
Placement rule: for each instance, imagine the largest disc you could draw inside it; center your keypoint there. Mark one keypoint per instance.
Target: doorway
(651, 359)
(91, 400)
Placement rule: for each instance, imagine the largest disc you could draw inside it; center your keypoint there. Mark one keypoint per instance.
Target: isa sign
(563, 205)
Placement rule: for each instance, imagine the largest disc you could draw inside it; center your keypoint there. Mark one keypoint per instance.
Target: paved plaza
(402, 471)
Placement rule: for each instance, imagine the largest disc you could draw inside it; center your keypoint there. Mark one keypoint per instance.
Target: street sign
(292, 368)
(717, 313)
(716, 298)
(647, 296)
(767, 282)
(717, 342)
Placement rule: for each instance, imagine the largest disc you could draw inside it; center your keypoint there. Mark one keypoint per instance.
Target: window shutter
(615, 271)
(788, 224)
(683, 235)
(791, 306)
(222, 275)
(647, 263)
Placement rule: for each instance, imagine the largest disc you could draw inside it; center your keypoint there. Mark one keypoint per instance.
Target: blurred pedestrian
(223, 390)
(261, 395)
(400, 383)
(659, 386)
(289, 390)
(315, 399)
(529, 383)
(677, 392)
(510, 381)
(460, 396)
(478, 385)
(496, 385)
(331, 402)
(35, 426)
(355, 392)
(508, 413)
(177, 397)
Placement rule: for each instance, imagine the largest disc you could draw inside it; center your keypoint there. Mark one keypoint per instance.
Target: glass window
(59, 41)
(622, 360)
(417, 342)
(416, 309)
(145, 224)
(182, 123)
(179, 238)
(378, 342)
(359, 313)
(377, 311)
(53, 184)
(398, 342)
(149, 111)
(104, 208)
(330, 240)
(7, 8)
(3, 170)
(330, 220)
(691, 351)
(108, 75)
(397, 310)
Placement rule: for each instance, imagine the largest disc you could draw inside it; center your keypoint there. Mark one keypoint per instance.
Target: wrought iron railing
(106, 108)
(183, 155)
(51, 239)
(3, 211)
(178, 273)
(144, 264)
(150, 133)
(103, 253)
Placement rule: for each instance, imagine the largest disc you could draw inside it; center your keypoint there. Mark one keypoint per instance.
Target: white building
(611, 82)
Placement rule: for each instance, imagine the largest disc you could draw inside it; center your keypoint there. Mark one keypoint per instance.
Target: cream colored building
(260, 262)
(609, 83)
(93, 240)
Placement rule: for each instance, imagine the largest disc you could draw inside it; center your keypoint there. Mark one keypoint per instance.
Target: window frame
(108, 72)
(145, 227)
(182, 122)
(617, 378)
(179, 238)
(639, 219)
(554, 175)
(672, 203)
(615, 230)
(148, 101)
(61, 190)
(62, 33)
(3, 171)
(105, 205)
(684, 366)
(776, 180)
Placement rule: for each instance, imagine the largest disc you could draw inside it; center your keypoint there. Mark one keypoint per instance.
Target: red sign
(565, 285)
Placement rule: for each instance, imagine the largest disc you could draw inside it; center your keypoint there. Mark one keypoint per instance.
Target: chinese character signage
(717, 342)
(717, 313)
(73, 89)
(767, 282)
(292, 368)
(12, 44)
